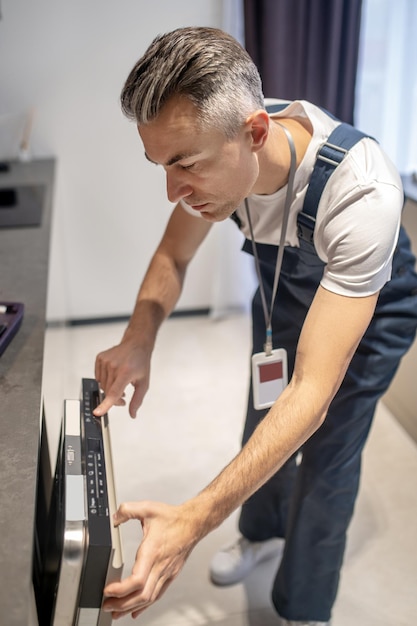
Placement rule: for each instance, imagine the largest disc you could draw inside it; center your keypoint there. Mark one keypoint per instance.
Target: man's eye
(188, 167)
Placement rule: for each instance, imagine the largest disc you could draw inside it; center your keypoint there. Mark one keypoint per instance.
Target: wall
(69, 60)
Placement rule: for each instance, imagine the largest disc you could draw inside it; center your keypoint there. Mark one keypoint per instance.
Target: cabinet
(401, 397)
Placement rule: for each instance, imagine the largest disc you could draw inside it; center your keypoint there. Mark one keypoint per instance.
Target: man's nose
(177, 187)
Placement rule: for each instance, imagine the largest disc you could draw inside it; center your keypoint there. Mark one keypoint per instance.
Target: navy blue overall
(311, 503)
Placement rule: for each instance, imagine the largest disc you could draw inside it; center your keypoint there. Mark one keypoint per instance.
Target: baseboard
(114, 319)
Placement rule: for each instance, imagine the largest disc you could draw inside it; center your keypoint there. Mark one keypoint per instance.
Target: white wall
(69, 60)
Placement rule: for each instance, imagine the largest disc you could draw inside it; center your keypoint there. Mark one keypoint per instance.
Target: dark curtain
(306, 49)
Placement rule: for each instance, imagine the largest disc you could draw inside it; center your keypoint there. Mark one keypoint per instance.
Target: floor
(173, 449)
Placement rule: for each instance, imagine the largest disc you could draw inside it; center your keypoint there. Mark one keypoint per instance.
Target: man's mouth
(199, 207)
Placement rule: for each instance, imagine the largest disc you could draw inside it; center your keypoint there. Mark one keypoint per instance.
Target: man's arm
(129, 361)
(331, 333)
(329, 338)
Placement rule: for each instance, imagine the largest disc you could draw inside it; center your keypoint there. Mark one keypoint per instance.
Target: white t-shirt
(358, 216)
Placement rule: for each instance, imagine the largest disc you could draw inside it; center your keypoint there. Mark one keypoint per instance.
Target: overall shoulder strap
(329, 156)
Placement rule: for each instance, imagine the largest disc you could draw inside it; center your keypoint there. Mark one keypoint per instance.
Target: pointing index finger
(104, 406)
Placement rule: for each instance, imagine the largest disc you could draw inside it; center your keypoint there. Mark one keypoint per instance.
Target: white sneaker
(234, 562)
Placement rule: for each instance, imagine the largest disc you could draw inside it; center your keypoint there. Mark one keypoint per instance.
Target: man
(197, 100)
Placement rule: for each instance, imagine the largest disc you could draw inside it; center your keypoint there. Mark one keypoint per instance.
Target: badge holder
(269, 377)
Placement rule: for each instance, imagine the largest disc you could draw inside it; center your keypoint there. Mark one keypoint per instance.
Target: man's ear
(258, 126)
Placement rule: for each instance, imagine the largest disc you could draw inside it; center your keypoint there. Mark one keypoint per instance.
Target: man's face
(205, 170)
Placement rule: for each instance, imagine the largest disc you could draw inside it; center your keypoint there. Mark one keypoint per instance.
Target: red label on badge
(270, 371)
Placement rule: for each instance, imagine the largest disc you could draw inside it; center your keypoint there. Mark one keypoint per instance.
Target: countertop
(24, 255)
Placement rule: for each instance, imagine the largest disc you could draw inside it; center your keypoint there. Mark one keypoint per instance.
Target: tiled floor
(188, 429)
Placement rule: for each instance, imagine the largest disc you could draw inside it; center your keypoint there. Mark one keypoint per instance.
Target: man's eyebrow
(174, 159)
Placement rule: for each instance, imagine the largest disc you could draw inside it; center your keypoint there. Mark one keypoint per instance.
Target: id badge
(269, 377)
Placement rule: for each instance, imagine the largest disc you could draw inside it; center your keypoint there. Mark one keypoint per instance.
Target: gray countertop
(24, 254)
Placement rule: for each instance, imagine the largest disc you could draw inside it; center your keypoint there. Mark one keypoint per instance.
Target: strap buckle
(305, 227)
(332, 154)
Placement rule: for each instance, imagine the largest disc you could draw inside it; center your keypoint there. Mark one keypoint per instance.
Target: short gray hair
(207, 66)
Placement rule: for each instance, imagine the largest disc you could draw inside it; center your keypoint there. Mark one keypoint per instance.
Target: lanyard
(288, 200)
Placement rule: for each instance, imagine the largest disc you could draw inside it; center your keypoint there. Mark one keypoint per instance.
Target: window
(386, 93)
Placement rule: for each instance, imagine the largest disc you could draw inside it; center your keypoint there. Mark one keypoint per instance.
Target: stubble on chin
(221, 213)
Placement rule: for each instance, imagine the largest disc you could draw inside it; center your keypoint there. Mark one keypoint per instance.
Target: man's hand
(168, 539)
(118, 367)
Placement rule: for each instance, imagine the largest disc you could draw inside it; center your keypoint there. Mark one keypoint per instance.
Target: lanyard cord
(288, 200)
